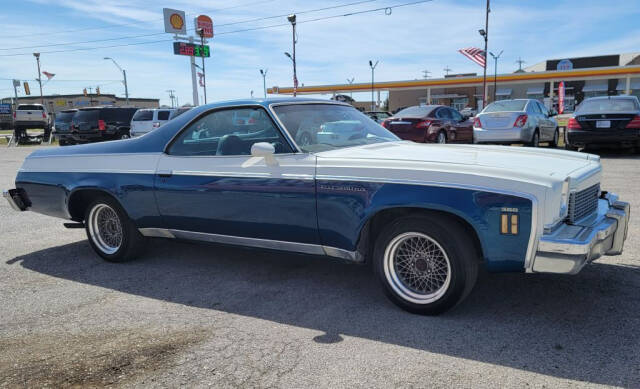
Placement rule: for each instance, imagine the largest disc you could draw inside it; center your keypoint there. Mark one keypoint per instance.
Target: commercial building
(583, 77)
(56, 103)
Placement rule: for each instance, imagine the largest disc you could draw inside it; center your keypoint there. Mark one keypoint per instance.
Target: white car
(147, 120)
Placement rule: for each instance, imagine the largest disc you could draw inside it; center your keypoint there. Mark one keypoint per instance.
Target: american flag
(48, 75)
(474, 54)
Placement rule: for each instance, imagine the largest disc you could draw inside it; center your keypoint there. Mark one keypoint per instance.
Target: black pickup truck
(98, 124)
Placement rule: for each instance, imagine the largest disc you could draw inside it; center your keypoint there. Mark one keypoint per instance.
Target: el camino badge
(343, 188)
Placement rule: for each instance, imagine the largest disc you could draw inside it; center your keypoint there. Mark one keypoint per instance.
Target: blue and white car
(427, 216)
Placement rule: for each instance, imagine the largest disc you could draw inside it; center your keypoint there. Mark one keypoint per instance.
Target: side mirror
(552, 112)
(266, 151)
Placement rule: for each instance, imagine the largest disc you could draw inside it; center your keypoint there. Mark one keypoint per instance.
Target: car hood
(544, 166)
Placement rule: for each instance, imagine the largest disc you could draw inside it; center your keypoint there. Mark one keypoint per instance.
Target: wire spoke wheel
(417, 267)
(105, 228)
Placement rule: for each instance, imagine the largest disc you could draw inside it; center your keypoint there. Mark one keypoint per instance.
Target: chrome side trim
(533, 238)
(305, 248)
(156, 232)
(111, 171)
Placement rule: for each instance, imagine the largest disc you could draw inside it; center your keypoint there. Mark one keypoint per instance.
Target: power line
(131, 23)
(386, 9)
(162, 33)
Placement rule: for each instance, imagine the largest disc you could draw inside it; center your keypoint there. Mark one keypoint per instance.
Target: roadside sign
(174, 21)
(27, 91)
(5, 109)
(206, 24)
(561, 97)
(16, 83)
(190, 49)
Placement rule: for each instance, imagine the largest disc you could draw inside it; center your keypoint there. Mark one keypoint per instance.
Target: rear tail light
(573, 124)
(156, 124)
(634, 123)
(385, 124)
(477, 123)
(423, 124)
(44, 115)
(520, 121)
(14, 114)
(101, 125)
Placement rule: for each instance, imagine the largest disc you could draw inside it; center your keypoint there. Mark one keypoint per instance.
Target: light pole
(37, 55)
(264, 81)
(495, 73)
(200, 32)
(292, 20)
(124, 75)
(485, 34)
(350, 81)
(373, 67)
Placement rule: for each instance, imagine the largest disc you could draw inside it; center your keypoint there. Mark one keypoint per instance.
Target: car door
(549, 124)
(208, 184)
(162, 116)
(463, 127)
(443, 116)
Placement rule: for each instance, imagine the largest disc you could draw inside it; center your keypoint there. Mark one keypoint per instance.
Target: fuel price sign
(190, 49)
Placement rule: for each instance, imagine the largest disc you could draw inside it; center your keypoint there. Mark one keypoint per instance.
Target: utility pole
(200, 32)
(292, 20)
(16, 84)
(171, 96)
(520, 62)
(373, 67)
(264, 81)
(90, 96)
(485, 35)
(37, 55)
(124, 75)
(425, 74)
(350, 81)
(495, 73)
(446, 70)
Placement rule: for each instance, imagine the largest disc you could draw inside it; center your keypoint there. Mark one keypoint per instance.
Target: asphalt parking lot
(198, 315)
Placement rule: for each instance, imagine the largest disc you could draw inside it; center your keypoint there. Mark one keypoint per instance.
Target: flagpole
(484, 73)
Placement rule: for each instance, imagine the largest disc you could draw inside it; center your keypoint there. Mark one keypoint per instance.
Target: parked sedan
(524, 121)
(378, 116)
(612, 120)
(426, 216)
(429, 124)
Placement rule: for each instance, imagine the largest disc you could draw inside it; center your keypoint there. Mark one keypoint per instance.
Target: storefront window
(460, 103)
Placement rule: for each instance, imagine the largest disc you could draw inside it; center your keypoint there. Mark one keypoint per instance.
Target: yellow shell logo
(176, 21)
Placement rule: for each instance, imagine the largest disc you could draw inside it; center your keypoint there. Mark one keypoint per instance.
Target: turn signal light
(634, 123)
(101, 125)
(520, 121)
(573, 124)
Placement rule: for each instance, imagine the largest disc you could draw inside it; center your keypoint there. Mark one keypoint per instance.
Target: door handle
(165, 173)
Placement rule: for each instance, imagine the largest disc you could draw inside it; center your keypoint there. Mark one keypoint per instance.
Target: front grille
(583, 203)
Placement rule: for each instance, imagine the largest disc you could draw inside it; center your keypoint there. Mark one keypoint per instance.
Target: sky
(405, 40)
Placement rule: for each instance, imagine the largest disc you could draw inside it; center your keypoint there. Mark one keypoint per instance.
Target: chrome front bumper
(568, 248)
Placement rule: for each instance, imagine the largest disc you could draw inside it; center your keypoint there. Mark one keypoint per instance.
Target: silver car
(524, 121)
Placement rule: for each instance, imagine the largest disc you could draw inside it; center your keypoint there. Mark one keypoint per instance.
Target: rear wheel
(442, 138)
(110, 231)
(426, 265)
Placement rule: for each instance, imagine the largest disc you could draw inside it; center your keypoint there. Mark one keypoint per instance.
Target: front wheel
(111, 233)
(426, 265)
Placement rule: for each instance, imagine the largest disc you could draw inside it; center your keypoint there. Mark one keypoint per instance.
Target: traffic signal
(27, 91)
(98, 90)
(84, 91)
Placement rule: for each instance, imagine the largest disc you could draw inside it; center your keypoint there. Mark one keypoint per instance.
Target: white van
(147, 120)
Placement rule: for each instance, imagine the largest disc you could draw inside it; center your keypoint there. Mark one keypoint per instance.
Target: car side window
(533, 107)
(455, 115)
(163, 115)
(229, 132)
(543, 109)
(443, 113)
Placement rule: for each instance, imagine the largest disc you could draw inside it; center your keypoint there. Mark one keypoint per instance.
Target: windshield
(85, 115)
(506, 106)
(64, 117)
(608, 105)
(320, 127)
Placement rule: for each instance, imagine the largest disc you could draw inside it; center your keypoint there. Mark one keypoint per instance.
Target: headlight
(564, 199)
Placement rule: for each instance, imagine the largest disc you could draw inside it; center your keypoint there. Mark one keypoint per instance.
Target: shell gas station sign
(174, 21)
